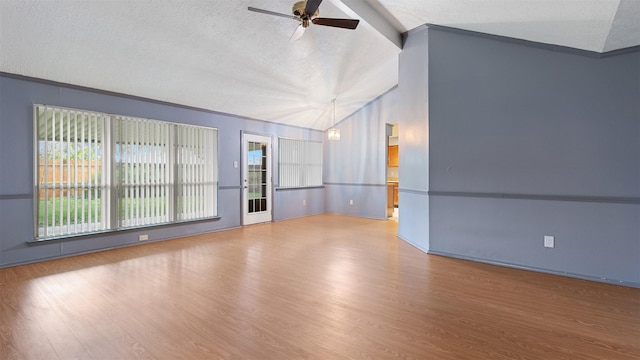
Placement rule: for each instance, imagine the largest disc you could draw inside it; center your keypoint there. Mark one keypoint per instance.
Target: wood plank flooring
(321, 287)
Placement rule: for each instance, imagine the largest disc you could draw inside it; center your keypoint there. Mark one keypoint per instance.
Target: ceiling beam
(371, 17)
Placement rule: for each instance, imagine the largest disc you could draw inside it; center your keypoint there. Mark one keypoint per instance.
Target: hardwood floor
(322, 287)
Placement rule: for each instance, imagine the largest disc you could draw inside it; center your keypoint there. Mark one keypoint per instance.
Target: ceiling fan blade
(339, 23)
(272, 13)
(298, 33)
(311, 7)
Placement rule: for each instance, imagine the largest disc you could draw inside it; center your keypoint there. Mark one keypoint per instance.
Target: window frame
(304, 163)
(111, 188)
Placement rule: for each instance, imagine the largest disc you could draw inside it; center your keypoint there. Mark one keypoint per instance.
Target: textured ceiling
(594, 25)
(217, 55)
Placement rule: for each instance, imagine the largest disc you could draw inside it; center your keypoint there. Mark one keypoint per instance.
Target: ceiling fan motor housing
(298, 10)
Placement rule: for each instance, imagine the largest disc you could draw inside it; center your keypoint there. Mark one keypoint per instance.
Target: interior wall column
(413, 139)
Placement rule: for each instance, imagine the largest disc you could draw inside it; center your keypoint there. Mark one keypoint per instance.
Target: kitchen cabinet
(395, 194)
(390, 199)
(393, 156)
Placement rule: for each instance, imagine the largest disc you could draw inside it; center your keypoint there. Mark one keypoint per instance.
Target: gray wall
(17, 96)
(413, 141)
(294, 203)
(355, 166)
(526, 142)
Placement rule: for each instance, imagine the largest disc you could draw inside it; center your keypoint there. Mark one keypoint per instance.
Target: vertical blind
(70, 175)
(143, 176)
(196, 176)
(97, 172)
(299, 163)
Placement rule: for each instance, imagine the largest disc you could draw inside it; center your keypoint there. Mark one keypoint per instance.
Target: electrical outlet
(304, 202)
(143, 237)
(549, 241)
(350, 202)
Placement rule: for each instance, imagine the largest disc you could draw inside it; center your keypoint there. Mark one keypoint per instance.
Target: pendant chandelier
(334, 132)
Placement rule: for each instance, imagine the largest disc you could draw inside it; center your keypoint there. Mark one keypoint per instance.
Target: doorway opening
(393, 172)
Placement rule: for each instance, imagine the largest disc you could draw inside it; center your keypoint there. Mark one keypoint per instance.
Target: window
(100, 172)
(299, 163)
(70, 183)
(143, 176)
(196, 176)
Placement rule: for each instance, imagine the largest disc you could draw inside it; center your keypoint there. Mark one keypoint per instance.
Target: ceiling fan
(307, 11)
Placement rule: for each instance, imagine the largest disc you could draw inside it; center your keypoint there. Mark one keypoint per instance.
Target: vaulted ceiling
(219, 56)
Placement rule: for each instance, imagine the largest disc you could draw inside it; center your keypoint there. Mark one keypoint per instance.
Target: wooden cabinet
(392, 185)
(393, 155)
(392, 197)
(390, 194)
(395, 194)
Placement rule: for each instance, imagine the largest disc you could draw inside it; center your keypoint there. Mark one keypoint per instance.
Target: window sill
(299, 188)
(114, 231)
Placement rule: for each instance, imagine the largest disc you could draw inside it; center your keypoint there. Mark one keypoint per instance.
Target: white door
(256, 182)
